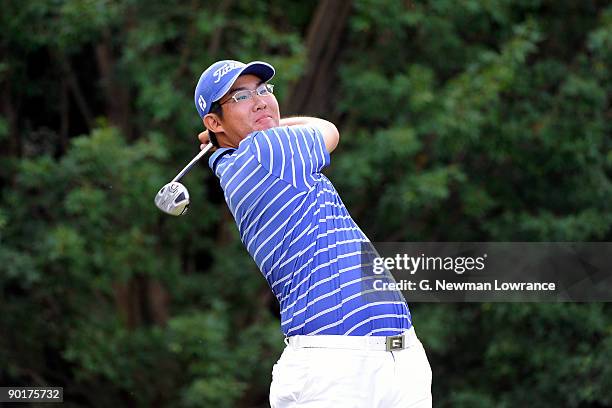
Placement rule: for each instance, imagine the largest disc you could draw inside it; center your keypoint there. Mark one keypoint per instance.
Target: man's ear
(212, 123)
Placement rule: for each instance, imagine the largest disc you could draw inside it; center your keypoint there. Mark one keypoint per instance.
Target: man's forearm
(295, 120)
(327, 129)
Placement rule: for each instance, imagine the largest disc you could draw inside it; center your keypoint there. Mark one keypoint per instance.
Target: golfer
(346, 345)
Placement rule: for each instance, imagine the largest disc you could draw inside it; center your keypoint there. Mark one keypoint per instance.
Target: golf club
(173, 198)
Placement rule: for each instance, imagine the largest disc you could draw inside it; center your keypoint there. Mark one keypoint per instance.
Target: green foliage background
(467, 120)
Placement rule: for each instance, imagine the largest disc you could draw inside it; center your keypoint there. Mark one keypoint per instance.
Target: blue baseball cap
(219, 78)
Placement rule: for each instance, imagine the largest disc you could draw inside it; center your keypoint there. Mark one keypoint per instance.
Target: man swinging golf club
(346, 345)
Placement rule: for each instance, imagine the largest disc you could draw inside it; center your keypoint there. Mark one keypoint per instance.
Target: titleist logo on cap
(225, 69)
(202, 102)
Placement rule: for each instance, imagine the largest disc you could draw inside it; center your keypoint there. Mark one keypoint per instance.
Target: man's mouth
(261, 119)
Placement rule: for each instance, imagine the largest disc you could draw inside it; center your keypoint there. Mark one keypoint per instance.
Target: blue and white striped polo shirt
(295, 226)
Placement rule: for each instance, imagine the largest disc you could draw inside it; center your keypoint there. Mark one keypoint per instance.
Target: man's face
(253, 114)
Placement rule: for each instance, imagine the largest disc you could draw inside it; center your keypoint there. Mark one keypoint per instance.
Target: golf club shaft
(192, 162)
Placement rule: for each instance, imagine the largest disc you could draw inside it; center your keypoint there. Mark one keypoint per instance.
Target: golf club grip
(192, 162)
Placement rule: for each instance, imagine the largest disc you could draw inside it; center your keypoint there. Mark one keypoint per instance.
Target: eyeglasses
(246, 94)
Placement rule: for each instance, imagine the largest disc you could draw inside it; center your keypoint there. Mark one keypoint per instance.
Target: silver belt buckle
(395, 342)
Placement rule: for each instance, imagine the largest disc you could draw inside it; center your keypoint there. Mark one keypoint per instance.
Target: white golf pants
(353, 377)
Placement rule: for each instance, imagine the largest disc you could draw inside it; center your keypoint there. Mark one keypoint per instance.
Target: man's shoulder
(263, 145)
(294, 130)
(269, 133)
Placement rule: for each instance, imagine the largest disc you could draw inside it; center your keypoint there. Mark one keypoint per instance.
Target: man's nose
(259, 102)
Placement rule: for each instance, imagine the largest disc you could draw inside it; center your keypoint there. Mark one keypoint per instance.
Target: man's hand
(205, 139)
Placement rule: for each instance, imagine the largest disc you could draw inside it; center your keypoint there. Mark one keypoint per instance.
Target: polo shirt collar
(222, 151)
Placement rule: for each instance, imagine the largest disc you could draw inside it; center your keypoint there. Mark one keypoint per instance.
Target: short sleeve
(294, 154)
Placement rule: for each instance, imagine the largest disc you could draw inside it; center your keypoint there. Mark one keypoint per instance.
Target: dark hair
(217, 109)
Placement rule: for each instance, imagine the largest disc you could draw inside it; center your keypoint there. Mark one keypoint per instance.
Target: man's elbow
(332, 137)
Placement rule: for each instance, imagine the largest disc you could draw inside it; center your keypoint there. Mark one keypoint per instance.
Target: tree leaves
(470, 120)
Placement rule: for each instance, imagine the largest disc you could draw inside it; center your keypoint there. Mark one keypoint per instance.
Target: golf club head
(173, 199)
